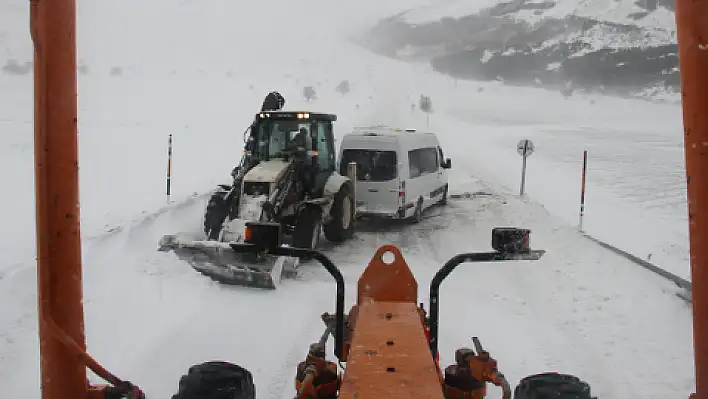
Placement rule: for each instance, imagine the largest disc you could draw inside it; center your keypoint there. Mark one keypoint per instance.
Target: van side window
(429, 160)
(441, 158)
(371, 165)
(423, 161)
(414, 163)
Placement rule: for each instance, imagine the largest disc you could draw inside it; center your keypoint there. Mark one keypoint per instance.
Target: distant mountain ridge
(622, 47)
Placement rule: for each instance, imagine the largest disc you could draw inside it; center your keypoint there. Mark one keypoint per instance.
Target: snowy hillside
(200, 74)
(616, 46)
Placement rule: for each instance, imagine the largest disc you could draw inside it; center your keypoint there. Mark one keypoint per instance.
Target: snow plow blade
(218, 261)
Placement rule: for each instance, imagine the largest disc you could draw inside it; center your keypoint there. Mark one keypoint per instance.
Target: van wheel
(443, 201)
(341, 225)
(418, 214)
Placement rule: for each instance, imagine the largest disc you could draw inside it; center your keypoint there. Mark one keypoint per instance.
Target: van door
(442, 172)
(377, 179)
(424, 180)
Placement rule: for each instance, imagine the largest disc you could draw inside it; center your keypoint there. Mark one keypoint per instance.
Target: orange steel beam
(389, 356)
(61, 318)
(692, 26)
(388, 282)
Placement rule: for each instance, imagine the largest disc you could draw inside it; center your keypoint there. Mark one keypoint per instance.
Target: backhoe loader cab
(302, 135)
(288, 177)
(291, 148)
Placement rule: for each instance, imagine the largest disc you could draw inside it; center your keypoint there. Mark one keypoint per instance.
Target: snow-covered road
(579, 309)
(200, 77)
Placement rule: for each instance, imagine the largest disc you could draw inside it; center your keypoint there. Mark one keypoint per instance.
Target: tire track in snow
(278, 386)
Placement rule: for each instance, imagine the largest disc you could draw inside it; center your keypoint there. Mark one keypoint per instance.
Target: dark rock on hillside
(495, 44)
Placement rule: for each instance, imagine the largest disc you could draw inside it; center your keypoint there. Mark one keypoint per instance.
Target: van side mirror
(447, 164)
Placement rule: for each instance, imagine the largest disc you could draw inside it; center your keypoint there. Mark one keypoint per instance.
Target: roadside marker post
(525, 148)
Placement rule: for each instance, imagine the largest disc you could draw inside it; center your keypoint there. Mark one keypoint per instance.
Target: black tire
(216, 212)
(443, 200)
(338, 230)
(216, 380)
(307, 228)
(552, 386)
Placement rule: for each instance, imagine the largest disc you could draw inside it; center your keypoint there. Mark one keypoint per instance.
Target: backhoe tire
(443, 200)
(307, 228)
(552, 386)
(216, 380)
(216, 212)
(341, 225)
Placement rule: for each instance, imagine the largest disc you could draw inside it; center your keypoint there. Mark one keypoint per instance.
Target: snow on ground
(440, 9)
(636, 191)
(577, 323)
(616, 11)
(201, 78)
(150, 316)
(599, 37)
(14, 30)
(661, 18)
(659, 26)
(141, 85)
(619, 12)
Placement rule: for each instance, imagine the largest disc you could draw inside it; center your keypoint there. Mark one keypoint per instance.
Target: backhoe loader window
(276, 137)
(371, 165)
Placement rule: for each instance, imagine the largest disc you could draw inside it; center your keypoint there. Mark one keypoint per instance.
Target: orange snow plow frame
(384, 343)
(390, 344)
(61, 319)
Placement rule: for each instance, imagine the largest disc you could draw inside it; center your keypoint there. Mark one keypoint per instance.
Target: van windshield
(371, 165)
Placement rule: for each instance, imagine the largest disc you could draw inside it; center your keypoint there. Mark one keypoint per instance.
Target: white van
(400, 173)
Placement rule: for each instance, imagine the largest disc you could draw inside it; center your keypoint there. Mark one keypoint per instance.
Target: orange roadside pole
(61, 317)
(692, 27)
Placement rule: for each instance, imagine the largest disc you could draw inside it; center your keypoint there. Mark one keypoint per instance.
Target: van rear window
(371, 165)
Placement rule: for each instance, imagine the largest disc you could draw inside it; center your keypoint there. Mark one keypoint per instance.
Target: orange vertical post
(692, 26)
(53, 30)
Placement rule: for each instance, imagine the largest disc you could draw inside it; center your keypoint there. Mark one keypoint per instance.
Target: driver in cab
(299, 141)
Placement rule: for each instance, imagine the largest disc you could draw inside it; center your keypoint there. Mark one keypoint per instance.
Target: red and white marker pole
(582, 190)
(169, 166)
